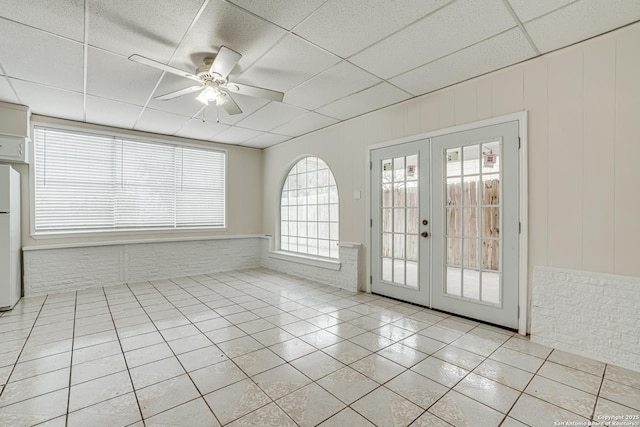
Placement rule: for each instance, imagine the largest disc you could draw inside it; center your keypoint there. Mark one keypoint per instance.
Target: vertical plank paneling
(429, 112)
(483, 95)
(627, 153)
(507, 92)
(465, 104)
(565, 132)
(535, 102)
(599, 134)
(446, 109)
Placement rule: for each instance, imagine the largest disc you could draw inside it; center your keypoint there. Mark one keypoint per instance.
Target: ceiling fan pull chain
(203, 110)
(217, 115)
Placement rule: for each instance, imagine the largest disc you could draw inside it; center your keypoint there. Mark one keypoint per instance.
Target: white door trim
(521, 118)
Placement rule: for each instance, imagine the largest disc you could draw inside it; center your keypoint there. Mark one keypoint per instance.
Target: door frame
(523, 265)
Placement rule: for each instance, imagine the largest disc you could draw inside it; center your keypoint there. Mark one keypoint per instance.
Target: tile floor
(261, 348)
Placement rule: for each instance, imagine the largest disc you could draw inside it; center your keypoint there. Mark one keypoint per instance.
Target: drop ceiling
(333, 59)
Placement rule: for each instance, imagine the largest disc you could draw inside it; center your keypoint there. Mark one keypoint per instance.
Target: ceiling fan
(214, 85)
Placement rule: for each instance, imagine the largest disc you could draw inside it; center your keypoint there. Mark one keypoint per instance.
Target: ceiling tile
(266, 140)
(111, 113)
(345, 27)
(305, 124)
(500, 51)
(285, 13)
(289, 63)
(338, 81)
(223, 24)
(581, 20)
(6, 92)
(197, 129)
(65, 18)
(48, 101)
(35, 56)
(362, 102)
(235, 135)
(160, 122)
(441, 35)
(151, 28)
(528, 10)
(133, 84)
(271, 116)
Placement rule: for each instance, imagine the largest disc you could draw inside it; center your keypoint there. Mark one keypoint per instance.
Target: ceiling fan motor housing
(203, 72)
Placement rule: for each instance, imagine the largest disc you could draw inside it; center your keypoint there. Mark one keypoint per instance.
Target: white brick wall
(59, 269)
(53, 270)
(595, 315)
(345, 278)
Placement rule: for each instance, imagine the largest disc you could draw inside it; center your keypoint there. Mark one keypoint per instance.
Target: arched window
(309, 210)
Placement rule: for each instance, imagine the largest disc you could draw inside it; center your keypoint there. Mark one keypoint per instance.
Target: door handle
(425, 234)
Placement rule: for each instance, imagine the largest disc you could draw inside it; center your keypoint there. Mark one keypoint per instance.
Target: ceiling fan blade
(178, 93)
(230, 105)
(163, 67)
(224, 62)
(254, 91)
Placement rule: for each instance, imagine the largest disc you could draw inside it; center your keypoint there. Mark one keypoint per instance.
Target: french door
(445, 223)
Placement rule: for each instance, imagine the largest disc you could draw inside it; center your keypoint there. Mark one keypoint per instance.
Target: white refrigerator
(10, 241)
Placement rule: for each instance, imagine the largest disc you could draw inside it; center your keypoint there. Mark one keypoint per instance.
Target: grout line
(73, 337)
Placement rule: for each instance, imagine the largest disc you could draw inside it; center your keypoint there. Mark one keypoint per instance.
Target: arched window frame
(296, 209)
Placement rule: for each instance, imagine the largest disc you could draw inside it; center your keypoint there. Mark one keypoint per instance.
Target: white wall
(244, 176)
(583, 106)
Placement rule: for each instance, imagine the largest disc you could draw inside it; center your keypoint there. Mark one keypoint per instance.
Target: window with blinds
(91, 182)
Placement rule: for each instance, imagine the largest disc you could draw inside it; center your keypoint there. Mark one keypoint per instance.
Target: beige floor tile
(280, 381)
(269, 415)
(97, 368)
(122, 410)
(538, 413)
(512, 422)
(424, 344)
(35, 410)
(346, 330)
(347, 352)
(323, 321)
(620, 393)
(378, 368)
(216, 376)
(606, 408)
(478, 345)
(572, 377)
(180, 332)
(317, 365)
(429, 420)
(300, 327)
(347, 384)
(524, 345)
(441, 334)
(292, 349)
(140, 341)
(272, 336)
(41, 366)
(517, 359)
(392, 332)
(463, 411)
(16, 391)
(225, 334)
(155, 372)
(165, 395)
(258, 361)
(562, 395)
(202, 357)
(459, 357)
(212, 324)
(623, 376)
(239, 346)
(142, 356)
(310, 405)
(577, 362)
(321, 339)
(347, 417)
(371, 341)
(190, 343)
(402, 354)
(440, 371)
(504, 374)
(98, 390)
(418, 389)
(488, 392)
(387, 408)
(236, 400)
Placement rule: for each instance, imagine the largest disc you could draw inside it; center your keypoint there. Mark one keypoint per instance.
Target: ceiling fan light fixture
(211, 94)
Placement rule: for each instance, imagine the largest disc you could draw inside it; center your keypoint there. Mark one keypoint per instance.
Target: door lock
(425, 234)
(425, 222)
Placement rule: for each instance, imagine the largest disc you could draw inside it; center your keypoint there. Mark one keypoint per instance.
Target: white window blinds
(91, 182)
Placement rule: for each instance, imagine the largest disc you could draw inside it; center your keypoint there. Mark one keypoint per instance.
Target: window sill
(129, 232)
(328, 264)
